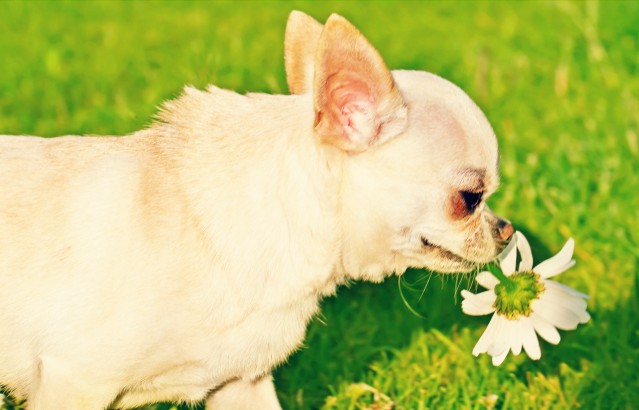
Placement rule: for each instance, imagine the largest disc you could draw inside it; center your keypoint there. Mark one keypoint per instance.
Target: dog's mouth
(447, 254)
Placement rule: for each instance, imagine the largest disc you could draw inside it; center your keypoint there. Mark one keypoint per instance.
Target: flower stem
(500, 275)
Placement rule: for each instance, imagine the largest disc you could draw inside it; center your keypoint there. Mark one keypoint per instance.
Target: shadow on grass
(368, 319)
(594, 367)
(360, 323)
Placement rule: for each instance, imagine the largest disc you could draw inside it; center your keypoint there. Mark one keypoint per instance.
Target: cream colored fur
(184, 261)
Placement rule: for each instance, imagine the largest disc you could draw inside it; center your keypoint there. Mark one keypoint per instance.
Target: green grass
(559, 82)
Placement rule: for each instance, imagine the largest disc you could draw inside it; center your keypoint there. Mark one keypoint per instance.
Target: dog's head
(421, 158)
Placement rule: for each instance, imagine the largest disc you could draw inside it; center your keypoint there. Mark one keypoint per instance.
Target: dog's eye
(464, 203)
(471, 200)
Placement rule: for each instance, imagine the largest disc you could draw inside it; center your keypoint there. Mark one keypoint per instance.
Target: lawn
(558, 81)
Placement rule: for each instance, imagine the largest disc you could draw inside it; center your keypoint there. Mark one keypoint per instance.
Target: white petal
(556, 315)
(561, 295)
(529, 338)
(508, 257)
(567, 289)
(545, 330)
(471, 309)
(487, 280)
(486, 297)
(516, 341)
(478, 304)
(584, 318)
(512, 337)
(499, 359)
(558, 297)
(486, 338)
(558, 263)
(501, 340)
(525, 253)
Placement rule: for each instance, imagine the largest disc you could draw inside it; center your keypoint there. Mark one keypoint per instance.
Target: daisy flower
(524, 301)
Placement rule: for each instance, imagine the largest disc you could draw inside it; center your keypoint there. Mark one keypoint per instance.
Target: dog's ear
(300, 44)
(357, 104)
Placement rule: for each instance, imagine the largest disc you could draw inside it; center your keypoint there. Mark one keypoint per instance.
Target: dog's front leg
(57, 387)
(245, 395)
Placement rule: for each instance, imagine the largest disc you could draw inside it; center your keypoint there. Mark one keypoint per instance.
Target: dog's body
(186, 260)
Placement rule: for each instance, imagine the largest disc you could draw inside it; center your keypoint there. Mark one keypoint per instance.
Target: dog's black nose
(505, 230)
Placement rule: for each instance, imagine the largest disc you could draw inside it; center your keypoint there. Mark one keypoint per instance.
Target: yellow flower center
(515, 295)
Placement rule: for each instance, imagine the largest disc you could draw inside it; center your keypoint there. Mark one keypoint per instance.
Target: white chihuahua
(185, 261)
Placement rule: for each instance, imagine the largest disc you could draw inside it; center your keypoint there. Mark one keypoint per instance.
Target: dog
(183, 262)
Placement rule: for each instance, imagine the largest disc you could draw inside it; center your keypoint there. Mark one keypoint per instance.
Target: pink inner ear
(348, 97)
(356, 102)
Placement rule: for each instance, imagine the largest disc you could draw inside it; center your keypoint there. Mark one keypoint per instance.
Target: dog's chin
(444, 260)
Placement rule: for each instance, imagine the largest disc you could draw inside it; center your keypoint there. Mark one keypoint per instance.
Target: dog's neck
(260, 151)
